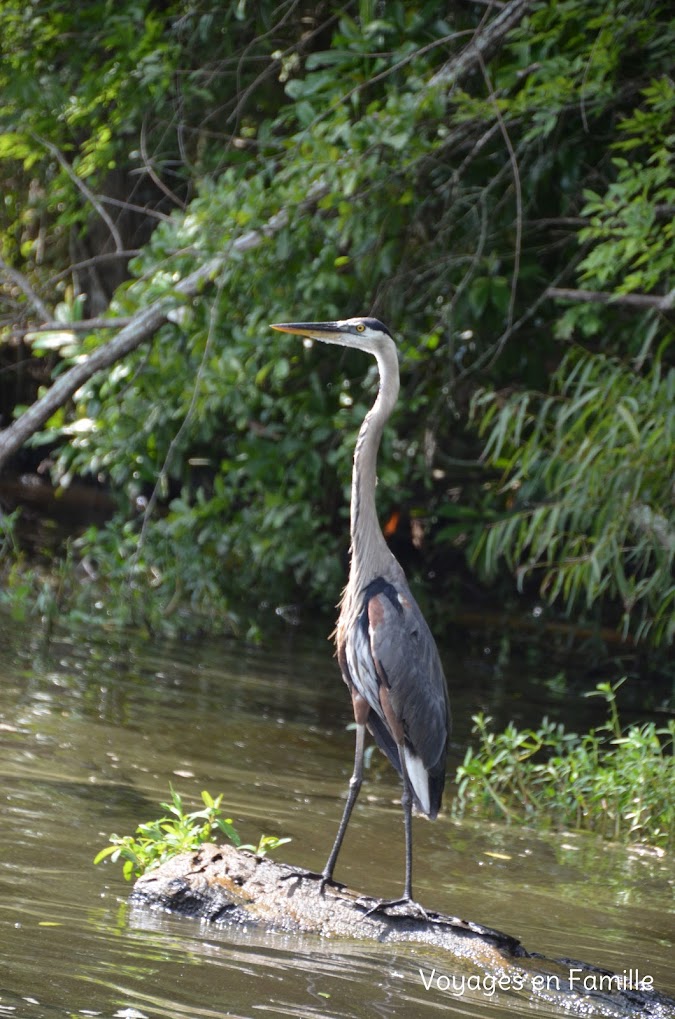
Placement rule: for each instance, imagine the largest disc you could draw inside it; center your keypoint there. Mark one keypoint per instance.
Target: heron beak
(315, 330)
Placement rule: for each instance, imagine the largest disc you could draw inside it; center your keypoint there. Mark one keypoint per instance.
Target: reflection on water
(93, 730)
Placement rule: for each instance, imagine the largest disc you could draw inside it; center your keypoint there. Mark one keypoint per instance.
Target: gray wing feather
(407, 660)
(362, 671)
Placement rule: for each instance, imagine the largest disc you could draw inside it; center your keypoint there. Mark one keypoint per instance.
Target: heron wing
(408, 663)
(395, 665)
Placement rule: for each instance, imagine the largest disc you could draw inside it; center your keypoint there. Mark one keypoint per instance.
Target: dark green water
(93, 729)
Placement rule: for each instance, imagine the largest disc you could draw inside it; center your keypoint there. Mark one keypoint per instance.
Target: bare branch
(560, 221)
(85, 325)
(645, 301)
(154, 176)
(483, 43)
(105, 256)
(487, 356)
(20, 281)
(145, 210)
(140, 328)
(86, 191)
(518, 191)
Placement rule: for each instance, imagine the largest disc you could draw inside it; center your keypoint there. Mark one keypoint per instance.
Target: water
(94, 727)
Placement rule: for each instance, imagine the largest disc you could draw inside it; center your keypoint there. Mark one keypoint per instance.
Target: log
(223, 885)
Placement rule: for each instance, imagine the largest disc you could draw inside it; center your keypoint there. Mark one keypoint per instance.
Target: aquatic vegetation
(157, 841)
(616, 781)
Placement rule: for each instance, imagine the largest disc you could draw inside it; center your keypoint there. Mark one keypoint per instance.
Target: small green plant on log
(617, 782)
(157, 841)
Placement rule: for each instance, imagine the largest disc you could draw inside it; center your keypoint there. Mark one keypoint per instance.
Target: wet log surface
(222, 885)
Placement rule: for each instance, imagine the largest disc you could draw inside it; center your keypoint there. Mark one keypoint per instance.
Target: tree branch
(85, 325)
(104, 256)
(645, 301)
(517, 186)
(20, 281)
(141, 327)
(145, 210)
(88, 194)
(483, 43)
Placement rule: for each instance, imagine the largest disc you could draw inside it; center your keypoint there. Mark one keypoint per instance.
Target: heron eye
(360, 327)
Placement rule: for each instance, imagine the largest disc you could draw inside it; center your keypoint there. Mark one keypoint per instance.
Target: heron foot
(299, 874)
(413, 908)
(328, 879)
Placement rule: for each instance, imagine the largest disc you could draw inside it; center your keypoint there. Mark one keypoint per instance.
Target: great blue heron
(385, 649)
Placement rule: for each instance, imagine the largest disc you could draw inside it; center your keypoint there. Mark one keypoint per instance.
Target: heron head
(367, 334)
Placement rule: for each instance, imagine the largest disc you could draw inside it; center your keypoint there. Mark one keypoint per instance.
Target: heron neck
(369, 551)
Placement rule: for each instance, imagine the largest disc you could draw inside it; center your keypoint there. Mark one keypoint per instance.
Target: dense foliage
(614, 781)
(447, 201)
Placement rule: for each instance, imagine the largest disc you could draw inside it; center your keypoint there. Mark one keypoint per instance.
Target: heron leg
(407, 898)
(354, 787)
(406, 803)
